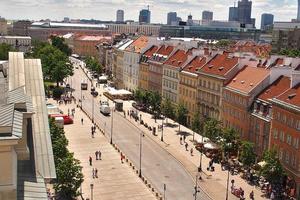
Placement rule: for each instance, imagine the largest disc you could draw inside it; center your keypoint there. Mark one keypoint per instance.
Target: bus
(84, 85)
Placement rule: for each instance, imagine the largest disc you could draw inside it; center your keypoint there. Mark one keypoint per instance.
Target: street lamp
(228, 174)
(162, 129)
(196, 188)
(201, 154)
(165, 188)
(92, 187)
(141, 143)
(112, 124)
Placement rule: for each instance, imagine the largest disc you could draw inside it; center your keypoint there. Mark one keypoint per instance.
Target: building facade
(145, 16)
(120, 16)
(207, 15)
(145, 29)
(3, 27)
(267, 21)
(233, 14)
(172, 18)
(21, 28)
(21, 43)
(244, 11)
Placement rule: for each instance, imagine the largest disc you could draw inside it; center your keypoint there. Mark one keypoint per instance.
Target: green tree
(4, 50)
(181, 115)
(223, 43)
(69, 178)
(272, 170)
(154, 101)
(247, 155)
(197, 125)
(56, 65)
(168, 109)
(229, 141)
(139, 96)
(212, 129)
(60, 43)
(93, 64)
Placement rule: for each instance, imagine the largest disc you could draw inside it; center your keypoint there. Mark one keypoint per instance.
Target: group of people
(97, 157)
(93, 130)
(186, 145)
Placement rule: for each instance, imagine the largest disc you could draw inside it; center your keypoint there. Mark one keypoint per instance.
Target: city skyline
(98, 9)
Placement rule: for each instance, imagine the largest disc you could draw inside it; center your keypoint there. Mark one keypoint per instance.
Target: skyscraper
(298, 15)
(266, 20)
(233, 14)
(244, 11)
(207, 15)
(145, 16)
(120, 16)
(172, 18)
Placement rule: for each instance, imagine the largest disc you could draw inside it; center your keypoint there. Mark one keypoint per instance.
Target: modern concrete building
(21, 28)
(142, 29)
(172, 18)
(244, 11)
(145, 16)
(120, 16)
(207, 15)
(267, 21)
(233, 14)
(26, 157)
(21, 43)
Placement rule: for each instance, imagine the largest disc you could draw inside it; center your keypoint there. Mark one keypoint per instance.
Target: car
(104, 103)
(105, 109)
(94, 93)
(68, 86)
(139, 107)
(67, 119)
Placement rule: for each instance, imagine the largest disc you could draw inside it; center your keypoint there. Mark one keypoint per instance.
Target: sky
(283, 10)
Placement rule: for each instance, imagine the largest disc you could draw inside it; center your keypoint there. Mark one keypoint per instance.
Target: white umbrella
(262, 163)
(211, 146)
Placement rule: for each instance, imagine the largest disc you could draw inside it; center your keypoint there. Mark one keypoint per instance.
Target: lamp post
(141, 144)
(92, 187)
(162, 129)
(201, 154)
(93, 108)
(165, 188)
(112, 125)
(227, 185)
(196, 188)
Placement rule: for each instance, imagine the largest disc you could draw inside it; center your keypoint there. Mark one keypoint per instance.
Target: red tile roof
(276, 88)
(195, 64)
(248, 78)
(177, 59)
(151, 51)
(138, 44)
(291, 96)
(220, 65)
(165, 51)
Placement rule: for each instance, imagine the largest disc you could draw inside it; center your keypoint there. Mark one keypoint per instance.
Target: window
(296, 143)
(280, 154)
(275, 133)
(298, 125)
(281, 136)
(287, 157)
(289, 139)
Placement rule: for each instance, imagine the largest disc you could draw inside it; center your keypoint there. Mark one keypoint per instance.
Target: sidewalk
(214, 183)
(115, 180)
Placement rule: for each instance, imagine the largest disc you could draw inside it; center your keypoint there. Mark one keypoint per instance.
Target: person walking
(122, 158)
(91, 161)
(99, 154)
(192, 151)
(81, 121)
(181, 140)
(93, 172)
(92, 133)
(96, 172)
(186, 146)
(96, 155)
(184, 137)
(251, 195)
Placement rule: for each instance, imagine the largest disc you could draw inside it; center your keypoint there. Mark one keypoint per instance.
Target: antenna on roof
(148, 7)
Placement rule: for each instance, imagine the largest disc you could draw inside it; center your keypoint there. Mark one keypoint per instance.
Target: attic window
(291, 96)
(234, 79)
(221, 68)
(251, 84)
(242, 82)
(210, 66)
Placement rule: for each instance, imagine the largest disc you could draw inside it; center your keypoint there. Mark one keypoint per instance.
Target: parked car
(95, 93)
(140, 107)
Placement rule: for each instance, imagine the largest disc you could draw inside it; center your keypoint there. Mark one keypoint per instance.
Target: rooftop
(276, 88)
(151, 51)
(178, 59)
(248, 79)
(291, 96)
(75, 25)
(93, 38)
(138, 45)
(165, 50)
(196, 63)
(220, 65)
(15, 37)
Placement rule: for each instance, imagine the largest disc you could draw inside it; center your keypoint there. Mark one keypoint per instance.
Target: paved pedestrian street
(115, 180)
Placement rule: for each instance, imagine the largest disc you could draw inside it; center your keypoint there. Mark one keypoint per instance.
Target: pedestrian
(81, 121)
(251, 195)
(184, 137)
(99, 154)
(96, 172)
(68, 111)
(122, 158)
(242, 194)
(93, 172)
(186, 146)
(93, 134)
(96, 155)
(192, 151)
(91, 161)
(181, 140)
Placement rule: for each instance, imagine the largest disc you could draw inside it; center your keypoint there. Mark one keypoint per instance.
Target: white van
(105, 109)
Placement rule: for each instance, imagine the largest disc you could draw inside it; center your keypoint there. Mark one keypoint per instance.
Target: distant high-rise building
(190, 20)
(145, 15)
(298, 15)
(120, 16)
(172, 18)
(233, 14)
(244, 11)
(266, 21)
(207, 15)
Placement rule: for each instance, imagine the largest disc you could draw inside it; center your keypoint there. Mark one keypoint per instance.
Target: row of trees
(4, 49)
(68, 169)
(54, 58)
(93, 65)
(290, 52)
